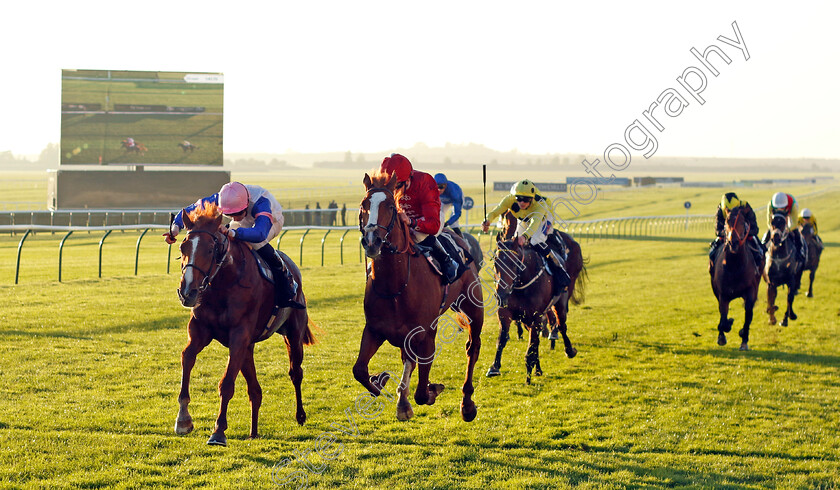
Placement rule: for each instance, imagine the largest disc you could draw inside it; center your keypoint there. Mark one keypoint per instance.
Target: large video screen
(111, 117)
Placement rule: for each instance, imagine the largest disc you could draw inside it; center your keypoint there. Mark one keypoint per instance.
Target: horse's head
(378, 217)
(508, 264)
(737, 229)
(779, 233)
(807, 231)
(203, 252)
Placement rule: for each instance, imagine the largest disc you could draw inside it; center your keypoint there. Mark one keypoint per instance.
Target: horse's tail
(308, 336)
(579, 294)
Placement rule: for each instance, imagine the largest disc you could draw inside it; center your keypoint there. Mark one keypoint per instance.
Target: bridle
(218, 259)
(386, 243)
(517, 281)
(734, 233)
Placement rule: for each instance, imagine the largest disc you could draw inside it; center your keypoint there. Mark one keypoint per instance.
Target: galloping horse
(138, 148)
(404, 300)
(232, 303)
(782, 268)
(187, 146)
(735, 275)
(525, 294)
(814, 252)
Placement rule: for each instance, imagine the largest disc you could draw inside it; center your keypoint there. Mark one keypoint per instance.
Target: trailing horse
(404, 301)
(231, 303)
(735, 275)
(814, 253)
(782, 268)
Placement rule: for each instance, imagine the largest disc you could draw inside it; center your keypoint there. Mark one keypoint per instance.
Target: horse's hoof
(793, 316)
(538, 372)
(468, 412)
(217, 439)
(571, 352)
(772, 320)
(744, 346)
(380, 380)
(183, 427)
(493, 371)
(784, 323)
(301, 417)
(721, 339)
(404, 413)
(254, 436)
(809, 295)
(527, 380)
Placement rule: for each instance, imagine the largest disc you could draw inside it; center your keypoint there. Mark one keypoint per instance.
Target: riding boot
(285, 286)
(713, 248)
(447, 262)
(556, 243)
(766, 238)
(561, 277)
(758, 251)
(801, 247)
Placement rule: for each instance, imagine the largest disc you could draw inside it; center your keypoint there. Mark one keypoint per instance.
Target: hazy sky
(541, 76)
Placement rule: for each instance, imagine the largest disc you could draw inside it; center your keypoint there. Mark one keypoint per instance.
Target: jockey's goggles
(524, 198)
(441, 187)
(237, 215)
(400, 185)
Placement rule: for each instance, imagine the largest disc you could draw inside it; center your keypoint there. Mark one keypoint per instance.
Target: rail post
(322, 246)
(341, 244)
(306, 232)
(20, 246)
(61, 250)
(102, 242)
(137, 250)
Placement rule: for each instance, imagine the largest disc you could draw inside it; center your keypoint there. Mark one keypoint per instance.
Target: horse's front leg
(198, 338)
(771, 303)
(532, 355)
(238, 353)
(724, 323)
(749, 304)
(811, 284)
(249, 372)
(505, 319)
(789, 313)
(369, 345)
(425, 393)
(404, 411)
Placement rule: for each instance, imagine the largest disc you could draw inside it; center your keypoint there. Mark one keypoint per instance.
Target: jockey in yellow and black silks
(728, 202)
(535, 222)
(807, 217)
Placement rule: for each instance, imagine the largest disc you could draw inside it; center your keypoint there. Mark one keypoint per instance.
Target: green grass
(91, 371)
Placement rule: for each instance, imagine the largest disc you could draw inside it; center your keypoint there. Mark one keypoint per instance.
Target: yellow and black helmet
(730, 201)
(524, 188)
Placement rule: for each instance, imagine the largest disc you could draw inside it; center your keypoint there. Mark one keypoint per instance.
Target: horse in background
(525, 293)
(405, 301)
(187, 146)
(232, 303)
(138, 148)
(782, 268)
(814, 253)
(735, 275)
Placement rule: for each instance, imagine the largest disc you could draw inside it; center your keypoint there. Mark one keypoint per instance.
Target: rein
(732, 232)
(387, 246)
(217, 262)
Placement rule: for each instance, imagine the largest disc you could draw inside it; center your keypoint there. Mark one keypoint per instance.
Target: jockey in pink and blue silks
(256, 218)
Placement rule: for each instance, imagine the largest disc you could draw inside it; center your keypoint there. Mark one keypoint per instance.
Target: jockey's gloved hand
(173, 232)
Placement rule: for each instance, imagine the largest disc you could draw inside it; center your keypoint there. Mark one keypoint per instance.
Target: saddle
(462, 255)
(268, 274)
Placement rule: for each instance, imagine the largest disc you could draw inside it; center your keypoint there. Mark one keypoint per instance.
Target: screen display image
(111, 117)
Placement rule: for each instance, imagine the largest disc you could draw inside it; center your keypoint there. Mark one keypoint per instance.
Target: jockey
(419, 208)
(785, 205)
(129, 142)
(451, 198)
(257, 218)
(536, 225)
(728, 202)
(806, 217)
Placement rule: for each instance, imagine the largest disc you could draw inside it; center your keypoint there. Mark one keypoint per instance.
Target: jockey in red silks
(419, 208)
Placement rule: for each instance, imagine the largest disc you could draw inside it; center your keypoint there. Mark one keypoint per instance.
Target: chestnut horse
(782, 268)
(735, 275)
(814, 253)
(232, 303)
(526, 298)
(404, 300)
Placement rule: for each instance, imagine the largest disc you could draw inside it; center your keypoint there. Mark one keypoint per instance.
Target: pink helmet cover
(233, 198)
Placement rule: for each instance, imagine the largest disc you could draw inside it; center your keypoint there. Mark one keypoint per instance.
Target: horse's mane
(380, 178)
(204, 212)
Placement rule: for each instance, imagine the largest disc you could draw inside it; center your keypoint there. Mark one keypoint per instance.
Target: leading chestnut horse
(404, 301)
(232, 303)
(735, 275)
